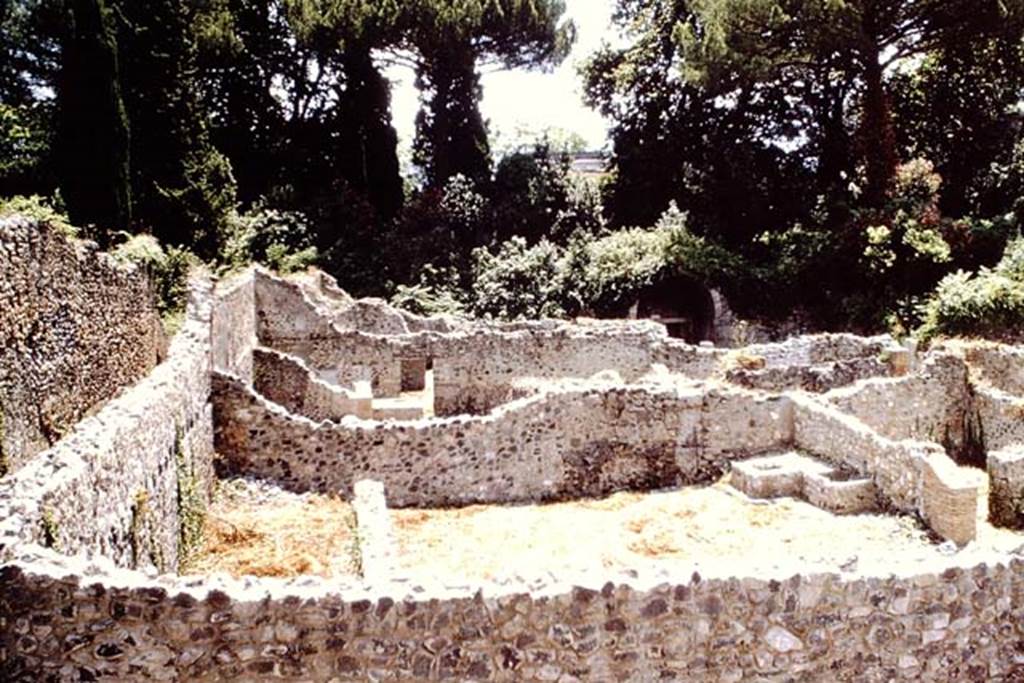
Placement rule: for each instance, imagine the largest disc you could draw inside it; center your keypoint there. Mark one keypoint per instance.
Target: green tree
(346, 32)
(93, 134)
(674, 140)
(30, 42)
(183, 187)
(961, 110)
(730, 42)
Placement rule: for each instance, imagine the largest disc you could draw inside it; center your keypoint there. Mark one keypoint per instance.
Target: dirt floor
(258, 529)
(715, 528)
(254, 528)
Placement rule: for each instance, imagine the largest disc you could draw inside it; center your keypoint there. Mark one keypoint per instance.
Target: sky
(533, 100)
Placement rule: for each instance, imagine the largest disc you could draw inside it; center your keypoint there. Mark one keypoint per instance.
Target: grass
(314, 535)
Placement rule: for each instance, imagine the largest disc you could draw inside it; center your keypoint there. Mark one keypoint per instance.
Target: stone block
(376, 539)
(842, 497)
(949, 498)
(1006, 487)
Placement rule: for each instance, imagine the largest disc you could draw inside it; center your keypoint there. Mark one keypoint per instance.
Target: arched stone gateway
(683, 305)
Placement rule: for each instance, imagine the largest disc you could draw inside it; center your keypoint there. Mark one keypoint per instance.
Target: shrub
(989, 303)
(517, 281)
(280, 240)
(168, 270)
(41, 209)
(536, 197)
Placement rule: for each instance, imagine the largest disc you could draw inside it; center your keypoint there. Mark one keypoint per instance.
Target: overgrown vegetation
(168, 270)
(142, 534)
(988, 303)
(832, 160)
(191, 505)
(40, 209)
(5, 463)
(50, 529)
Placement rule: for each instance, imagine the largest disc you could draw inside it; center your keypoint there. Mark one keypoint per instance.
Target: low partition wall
(564, 443)
(63, 619)
(933, 404)
(1001, 418)
(131, 482)
(287, 381)
(814, 378)
(996, 365)
(234, 325)
(916, 477)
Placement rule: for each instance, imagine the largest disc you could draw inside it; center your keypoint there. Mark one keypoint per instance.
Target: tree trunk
(877, 136)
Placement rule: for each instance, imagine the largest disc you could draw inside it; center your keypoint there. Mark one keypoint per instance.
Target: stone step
(397, 409)
(796, 475)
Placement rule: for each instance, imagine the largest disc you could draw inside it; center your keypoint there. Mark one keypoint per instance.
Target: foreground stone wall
(126, 480)
(76, 328)
(957, 623)
(572, 442)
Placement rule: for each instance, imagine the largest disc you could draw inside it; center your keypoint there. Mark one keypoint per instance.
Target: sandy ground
(715, 528)
(255, 528)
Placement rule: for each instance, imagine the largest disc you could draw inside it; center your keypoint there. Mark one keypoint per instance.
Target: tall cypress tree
(368, 145)
(183, 186)
(93, 138)
(451, 136)
(344, 34)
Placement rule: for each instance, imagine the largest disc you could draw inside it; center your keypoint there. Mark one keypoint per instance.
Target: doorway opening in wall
(414, 374)
(418, 383)
(683, 305)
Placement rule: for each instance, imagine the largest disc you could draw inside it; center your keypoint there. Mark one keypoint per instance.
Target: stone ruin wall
(114, 485)
(287, 381)
(960, 623)
(929, 405)
(76, 328)
(477, 365)
(234, 317)
(558, 445)
(68, 618)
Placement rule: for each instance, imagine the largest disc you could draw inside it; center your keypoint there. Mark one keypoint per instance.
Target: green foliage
(39, 209)
(988, 303)
(191, 505)
(280, 240)
(168, 269)
(535, 196)
(452, 38)
(514, 280)
(182, 186)
(436, 293)
(26, 133)
(142, 534)
(517, 281)
(93, 130)
(50, 529)
(5, 464)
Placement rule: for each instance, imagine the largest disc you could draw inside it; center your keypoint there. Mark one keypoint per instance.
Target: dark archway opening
(684, 306)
